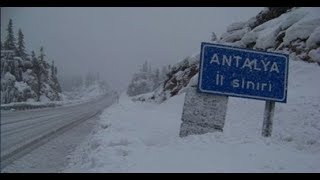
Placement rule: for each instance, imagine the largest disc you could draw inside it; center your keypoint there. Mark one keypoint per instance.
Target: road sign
(239, 72)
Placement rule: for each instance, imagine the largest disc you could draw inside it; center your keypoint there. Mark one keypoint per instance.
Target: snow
(144, 137)
(234, 36)
(44, 99)
(8, 77)
(236, 26)
(314, 54)
(314, 39)
(304, 27)
(266, 33)
(267, 38)
(296, 24)
(21, 86)
(249, 37)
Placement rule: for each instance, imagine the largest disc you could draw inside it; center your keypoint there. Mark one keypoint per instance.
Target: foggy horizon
(116, 41)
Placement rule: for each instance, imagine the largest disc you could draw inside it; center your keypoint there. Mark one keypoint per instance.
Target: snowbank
(144, 137)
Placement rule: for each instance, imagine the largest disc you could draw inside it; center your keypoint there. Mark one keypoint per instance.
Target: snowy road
(23, 131)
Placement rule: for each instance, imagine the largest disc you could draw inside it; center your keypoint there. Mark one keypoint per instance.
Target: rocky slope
(295, 31)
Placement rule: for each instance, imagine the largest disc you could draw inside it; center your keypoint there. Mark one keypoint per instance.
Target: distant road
(22, 131)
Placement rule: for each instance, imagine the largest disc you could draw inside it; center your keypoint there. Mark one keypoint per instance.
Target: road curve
(22, 131)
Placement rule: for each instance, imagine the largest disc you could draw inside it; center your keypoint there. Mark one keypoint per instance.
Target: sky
(115, 41)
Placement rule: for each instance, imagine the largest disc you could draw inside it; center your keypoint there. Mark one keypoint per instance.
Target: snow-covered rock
(294, 31)
(314, 39)
(234, 35)
(314, 54)
(236, 26)
(301, 30)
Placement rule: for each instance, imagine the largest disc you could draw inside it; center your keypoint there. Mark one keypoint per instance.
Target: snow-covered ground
(144, 137)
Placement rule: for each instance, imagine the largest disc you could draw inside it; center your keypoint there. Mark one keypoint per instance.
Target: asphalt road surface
(24, 131)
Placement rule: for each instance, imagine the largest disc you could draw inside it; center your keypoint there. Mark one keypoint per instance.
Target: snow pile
(294, 30)
(315, 54)
(144, 136)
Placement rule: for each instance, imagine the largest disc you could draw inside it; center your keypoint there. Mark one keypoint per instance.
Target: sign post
(267, 118)
(246, 73)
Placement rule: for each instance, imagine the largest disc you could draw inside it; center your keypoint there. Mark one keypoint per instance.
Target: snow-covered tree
(52, 69)
(22, 78)
(98, 76)
(9, 43)
(38, 72)
(90, 79)
(146, 80)
(42, 55)
(21, 50)
(157, 78)
(145, 67)
(149, 69)
(164, 72)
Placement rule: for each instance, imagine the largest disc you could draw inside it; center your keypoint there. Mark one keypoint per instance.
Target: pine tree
(21, 50)
(52, 69)
(98, 76)
(89, 79)
(145, 67)
(42, 55)
(1, 45)
(55, 70)
(37, 71)
(149, 69)
(9, 43)
(157, 73)
(33, 56)
(164, 72)
(157, 79)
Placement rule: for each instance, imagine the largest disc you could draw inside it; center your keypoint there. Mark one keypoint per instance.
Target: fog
(115, 41)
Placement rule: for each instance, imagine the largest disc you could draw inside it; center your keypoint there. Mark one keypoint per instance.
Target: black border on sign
(157, 3)
(153, 3)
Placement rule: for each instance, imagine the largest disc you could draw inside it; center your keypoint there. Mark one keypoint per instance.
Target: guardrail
(27, 106)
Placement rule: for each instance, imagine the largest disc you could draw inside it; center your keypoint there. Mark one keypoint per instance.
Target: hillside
(295, 31)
